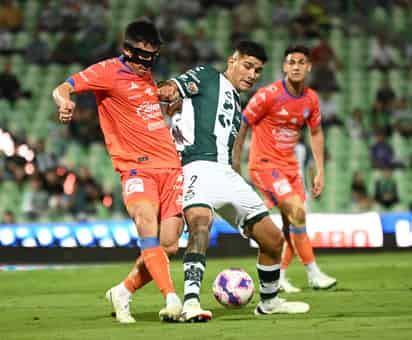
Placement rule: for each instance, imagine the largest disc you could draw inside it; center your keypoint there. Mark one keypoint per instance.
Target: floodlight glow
(84, 237)
(121, 236)
(22, 232)
(69, 242)
(29, 242)
(7, 237)
(106, 243)
(61, 231)
(100, 230)
(45, 237)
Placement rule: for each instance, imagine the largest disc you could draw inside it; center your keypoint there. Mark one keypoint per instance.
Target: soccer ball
(233, 288)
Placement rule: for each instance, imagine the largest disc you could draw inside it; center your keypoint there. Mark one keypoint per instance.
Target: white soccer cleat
(120, 305)
(278, 305)
(192, 312)
(287, 287)
(173, 309)
(321, 281)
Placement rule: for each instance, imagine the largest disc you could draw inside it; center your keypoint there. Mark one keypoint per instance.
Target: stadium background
(57, 186)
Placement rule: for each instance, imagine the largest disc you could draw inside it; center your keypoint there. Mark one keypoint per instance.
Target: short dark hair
(252, 49)
(298, 49)
(143, 30)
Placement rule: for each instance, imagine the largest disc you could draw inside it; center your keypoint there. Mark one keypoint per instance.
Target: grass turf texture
(373, 300)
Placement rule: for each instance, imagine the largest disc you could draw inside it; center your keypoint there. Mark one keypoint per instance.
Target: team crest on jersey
(192, 88)
(133, 86)
(133, 185)
(306, 113)
(274, 88)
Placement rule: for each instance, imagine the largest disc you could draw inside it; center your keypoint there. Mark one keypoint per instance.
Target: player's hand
(317, 185)
(168, 91)
(66, 109)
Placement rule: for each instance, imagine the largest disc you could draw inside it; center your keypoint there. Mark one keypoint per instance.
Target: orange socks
(157, 265)
(138, 277)
(302, 244)
(287, 255)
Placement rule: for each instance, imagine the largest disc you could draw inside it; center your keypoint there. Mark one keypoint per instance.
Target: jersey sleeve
(257, 107)
(94, 78)
(190, 82)
(314, 118)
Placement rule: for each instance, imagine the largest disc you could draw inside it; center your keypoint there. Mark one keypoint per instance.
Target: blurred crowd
(85, 34)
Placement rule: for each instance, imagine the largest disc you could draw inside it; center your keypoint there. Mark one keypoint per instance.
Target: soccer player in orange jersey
(143, 153)
(276, 115)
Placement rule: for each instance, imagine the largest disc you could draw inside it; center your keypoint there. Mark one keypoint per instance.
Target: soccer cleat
(321, 281)
(287, 287)
(120, 306)
(278, 305)
(173, 309)
(192, 312)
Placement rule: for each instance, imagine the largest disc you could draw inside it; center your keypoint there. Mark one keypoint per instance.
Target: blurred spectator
(49, 18)
(37, 51)
(386, 95)
(280, 13)
(35, 199)
(184, 52)
(90, 39)
(11, 18)
(380, 119)
(10, 87)
(94, 13)
(8, 218)
(381, 153)
(402, 118)
(382, 55)
(248, 15)
(43, 160)
(6, 42)
(386, 190)
(361, 201)
(329, 110)
(324, 79)
(84, 127)
(356, 126)
(323, 53)
(66, 50)
(205, 49)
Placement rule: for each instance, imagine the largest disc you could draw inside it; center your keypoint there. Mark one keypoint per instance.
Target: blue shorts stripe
(149, 242)
(297, 230)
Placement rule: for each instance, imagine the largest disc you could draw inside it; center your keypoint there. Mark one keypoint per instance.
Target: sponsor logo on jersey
(282, 187)
(189, 195)
(283, 112)
(148, 110)
(149, 91)
(133, 86)
(133, 185)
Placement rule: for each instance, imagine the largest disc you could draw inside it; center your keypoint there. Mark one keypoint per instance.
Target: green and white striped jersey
(211, 115)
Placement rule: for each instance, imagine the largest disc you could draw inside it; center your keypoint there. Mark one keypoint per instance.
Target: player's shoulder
(270, 90)
(107, 65)
(311, 94)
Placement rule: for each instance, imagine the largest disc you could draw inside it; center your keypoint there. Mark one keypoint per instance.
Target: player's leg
(170, 231)
(199, 220)
(287, 257)
(293, 208)
(256, 223)
(270, 241)
(264, 180)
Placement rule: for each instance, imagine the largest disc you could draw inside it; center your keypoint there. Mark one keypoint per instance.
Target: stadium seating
(359, 85)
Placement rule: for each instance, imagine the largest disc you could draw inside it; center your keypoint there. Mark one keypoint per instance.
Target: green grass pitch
(373, 300)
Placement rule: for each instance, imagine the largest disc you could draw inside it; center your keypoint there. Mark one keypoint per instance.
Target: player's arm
(61, 96)
(317, 146)
(238, 148)
(169, 94)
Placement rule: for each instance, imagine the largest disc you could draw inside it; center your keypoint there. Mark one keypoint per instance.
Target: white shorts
(222, 189)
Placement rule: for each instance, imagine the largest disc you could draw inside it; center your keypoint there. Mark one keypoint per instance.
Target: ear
(127, 52)
(284, 67)
(310, 67)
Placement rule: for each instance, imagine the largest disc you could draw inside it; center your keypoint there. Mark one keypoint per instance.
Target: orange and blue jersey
(276, 118)
(133, 126)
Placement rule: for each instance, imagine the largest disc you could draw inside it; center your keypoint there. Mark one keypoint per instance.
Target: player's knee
(171, 249)
(142, 215)
(296, 214)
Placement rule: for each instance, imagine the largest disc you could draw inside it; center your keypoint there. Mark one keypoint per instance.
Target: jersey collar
(290, 94)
